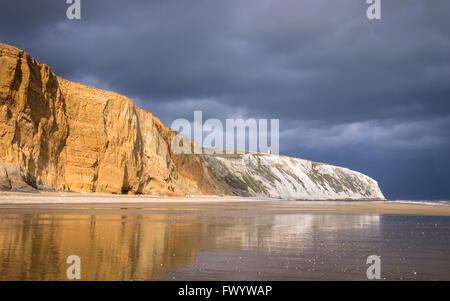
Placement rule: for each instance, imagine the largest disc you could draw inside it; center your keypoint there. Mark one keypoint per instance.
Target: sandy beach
(215, 238)
(338, 206)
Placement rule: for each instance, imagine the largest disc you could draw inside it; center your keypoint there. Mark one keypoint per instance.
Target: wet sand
(215, 238)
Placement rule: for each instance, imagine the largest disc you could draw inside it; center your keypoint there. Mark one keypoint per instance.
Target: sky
(370, 95)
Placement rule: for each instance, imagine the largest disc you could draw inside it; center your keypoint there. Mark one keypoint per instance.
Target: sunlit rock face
(67, 136)
(56, 134)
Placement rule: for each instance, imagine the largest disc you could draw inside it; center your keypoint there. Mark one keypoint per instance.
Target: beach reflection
(155, 242)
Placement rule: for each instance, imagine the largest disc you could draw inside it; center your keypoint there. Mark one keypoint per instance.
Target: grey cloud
(338, 81)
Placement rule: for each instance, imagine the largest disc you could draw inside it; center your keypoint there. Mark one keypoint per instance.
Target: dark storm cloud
(343, 86)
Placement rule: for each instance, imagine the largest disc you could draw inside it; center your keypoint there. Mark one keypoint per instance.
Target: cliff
(56, 134)
(67, 136)
(288, 178)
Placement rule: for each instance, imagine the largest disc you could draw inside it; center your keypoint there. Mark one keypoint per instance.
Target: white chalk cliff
(288, 178)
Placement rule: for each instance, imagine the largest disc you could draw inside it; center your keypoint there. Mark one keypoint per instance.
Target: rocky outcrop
(56, 134)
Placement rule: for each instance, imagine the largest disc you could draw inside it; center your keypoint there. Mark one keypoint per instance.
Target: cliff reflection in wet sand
(209, 241)
(111, 247)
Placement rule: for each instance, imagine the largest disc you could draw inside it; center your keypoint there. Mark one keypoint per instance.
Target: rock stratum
(60, 135)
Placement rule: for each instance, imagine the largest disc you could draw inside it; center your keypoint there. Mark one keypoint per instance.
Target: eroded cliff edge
(56, 134)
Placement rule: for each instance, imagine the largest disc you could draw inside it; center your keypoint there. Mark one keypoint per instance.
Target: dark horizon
(372, 96)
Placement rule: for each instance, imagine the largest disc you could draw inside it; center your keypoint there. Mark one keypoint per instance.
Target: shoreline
(67, 199)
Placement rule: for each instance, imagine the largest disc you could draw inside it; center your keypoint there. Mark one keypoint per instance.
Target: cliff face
(61, 135)
(67, 136)
(288, 178)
